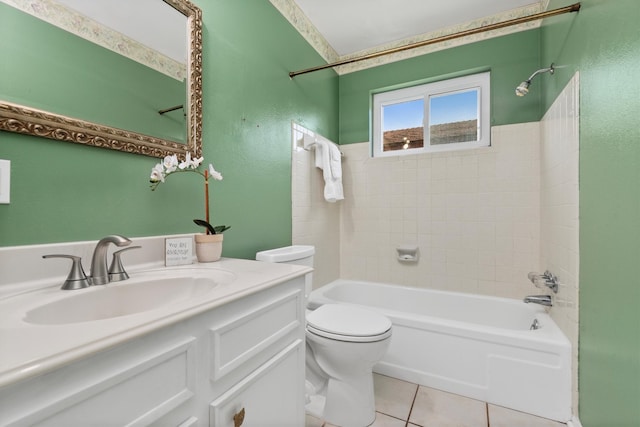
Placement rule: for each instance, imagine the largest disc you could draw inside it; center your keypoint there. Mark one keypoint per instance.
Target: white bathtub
(476, 346)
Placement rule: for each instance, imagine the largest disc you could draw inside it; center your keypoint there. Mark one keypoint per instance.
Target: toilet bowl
(343, 344)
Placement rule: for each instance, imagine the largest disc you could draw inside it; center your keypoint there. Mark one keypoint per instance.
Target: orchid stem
(206, 197)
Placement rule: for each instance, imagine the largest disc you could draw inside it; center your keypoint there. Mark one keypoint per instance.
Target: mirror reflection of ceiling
(150, 22)
(150, 32)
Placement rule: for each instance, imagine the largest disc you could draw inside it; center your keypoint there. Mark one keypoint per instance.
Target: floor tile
(435, 408)
(383, 420)
(311, 421)
(398, 401)
(503, 417)
(393, 397)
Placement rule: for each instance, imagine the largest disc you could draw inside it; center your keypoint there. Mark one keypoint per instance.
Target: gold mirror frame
(30, 121)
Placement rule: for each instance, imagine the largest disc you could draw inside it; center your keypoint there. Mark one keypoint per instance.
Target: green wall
(602, 42)
(98, 84)
(510, 60)
(68, 192)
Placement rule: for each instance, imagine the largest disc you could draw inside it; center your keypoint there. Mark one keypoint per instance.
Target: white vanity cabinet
(246, 356)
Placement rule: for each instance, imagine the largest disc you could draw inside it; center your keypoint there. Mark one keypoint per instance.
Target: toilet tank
(296, 254)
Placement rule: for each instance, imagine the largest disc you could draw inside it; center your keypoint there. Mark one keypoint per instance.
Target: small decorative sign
(178, 251)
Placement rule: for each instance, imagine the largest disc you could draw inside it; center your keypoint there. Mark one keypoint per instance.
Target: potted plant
(208, 244)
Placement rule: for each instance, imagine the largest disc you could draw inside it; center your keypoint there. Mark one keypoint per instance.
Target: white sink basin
(148, 291)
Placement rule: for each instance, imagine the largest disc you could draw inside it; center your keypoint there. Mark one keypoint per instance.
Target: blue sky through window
(446, 108)
(404, 115)
(454, 107)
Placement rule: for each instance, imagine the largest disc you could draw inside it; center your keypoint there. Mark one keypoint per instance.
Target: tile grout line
(486, 405)
(413, 402)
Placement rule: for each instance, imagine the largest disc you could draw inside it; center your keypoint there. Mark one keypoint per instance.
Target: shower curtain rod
(567, 9)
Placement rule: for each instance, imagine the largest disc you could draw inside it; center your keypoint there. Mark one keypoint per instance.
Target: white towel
(329, 159)
(332, 185)
(336, 160)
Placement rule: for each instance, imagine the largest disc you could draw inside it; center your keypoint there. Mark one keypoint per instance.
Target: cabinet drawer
(253, 332)
(134, 396)
(271, 396)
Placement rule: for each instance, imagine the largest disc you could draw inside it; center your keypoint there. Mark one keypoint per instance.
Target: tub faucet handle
(551, 281)
(547, 279)
(76, 278)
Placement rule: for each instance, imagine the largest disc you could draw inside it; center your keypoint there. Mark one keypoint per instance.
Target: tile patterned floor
(403, 404)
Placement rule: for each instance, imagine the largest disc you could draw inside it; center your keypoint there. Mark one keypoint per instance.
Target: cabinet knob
(238, 418)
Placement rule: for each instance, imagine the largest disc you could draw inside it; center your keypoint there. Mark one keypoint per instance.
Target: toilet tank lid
(288, 253)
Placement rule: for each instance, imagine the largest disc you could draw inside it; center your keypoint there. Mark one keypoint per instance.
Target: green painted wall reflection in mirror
(68, 192)
(56, 71)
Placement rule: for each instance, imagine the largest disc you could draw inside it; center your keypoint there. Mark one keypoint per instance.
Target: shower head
(523, 88)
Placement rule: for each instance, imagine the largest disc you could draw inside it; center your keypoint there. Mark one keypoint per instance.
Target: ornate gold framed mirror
(26, 117)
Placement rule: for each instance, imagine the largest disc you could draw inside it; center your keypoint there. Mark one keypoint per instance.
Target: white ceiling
(351, 26)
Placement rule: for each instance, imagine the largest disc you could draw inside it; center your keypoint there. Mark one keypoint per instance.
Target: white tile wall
(474, 215)
(559, 206)
(482, 218)
(315, 221)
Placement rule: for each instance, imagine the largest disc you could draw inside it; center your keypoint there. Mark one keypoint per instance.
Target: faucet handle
(116, 270)
(545, 279)
(551, 281)
(76, 278)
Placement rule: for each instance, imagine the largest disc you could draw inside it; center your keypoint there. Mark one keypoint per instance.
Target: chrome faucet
(539, 299)
(99, 272)
(547, 279)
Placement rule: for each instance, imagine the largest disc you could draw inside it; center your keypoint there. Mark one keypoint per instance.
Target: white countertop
(30, 349)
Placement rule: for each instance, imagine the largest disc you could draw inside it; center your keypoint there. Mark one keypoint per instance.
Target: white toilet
(343, 344)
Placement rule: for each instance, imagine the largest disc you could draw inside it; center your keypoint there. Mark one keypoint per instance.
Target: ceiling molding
(290, 10)
(303, 25)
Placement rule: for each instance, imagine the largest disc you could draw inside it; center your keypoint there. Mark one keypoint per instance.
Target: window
(446, 115)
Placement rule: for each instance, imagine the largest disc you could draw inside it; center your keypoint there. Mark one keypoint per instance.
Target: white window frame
(480, 81)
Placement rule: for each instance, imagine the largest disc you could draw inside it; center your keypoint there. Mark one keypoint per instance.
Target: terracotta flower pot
(208, 247)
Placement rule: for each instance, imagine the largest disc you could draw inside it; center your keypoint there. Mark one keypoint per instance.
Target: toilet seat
(348, 323)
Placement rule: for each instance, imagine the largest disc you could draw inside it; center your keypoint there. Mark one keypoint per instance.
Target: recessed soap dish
(408, 253)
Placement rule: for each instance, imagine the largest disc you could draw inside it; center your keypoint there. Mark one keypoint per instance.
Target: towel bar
(313, 145)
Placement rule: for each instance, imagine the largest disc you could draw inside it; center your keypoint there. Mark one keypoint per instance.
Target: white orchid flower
(170, 163)
(197, 161)
(157, 173)
(214, 173)
(187, 162)
(190, 163)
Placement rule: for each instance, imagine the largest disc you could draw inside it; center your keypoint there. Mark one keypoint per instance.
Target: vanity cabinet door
(178, 419)
(255, 332)
(134, 394)
(248, 353)
(270, 396)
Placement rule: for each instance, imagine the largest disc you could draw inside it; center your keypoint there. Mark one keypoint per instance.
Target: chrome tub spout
(539, 299)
